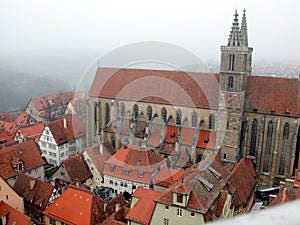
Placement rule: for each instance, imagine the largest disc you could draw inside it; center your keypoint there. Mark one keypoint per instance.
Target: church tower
(235, 66)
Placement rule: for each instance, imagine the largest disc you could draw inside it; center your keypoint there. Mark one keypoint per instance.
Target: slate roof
(33, 190)
(99, 158)
(13, 215)
(74, 129)
(203, 184)
(77, 168)
(28, 152)
(77, 206)
(143, 209)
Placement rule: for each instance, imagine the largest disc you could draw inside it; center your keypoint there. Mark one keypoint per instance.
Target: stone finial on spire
(235, 33)
(244, 30)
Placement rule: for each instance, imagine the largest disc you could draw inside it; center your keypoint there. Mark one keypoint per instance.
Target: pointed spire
(235, 33)
(244, 30)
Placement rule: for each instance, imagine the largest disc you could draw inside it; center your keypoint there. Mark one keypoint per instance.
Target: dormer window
(18, 165)
(112, 168)
(179, 198)
(141, 174)
(126, 172)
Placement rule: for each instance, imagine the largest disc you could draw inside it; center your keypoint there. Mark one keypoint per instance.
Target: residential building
(29, 132)
(10, 215)
(75, 206)
(249, 118)
(71, 170)
(95, 156)
(37, 194)
(10, 196)
(77, 105)
(61, 139)
(131, 167)
(142, 206)
(23, 157)
(25, 119)
(50, 107)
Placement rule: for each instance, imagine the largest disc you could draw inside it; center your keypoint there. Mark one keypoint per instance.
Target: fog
(199, 26)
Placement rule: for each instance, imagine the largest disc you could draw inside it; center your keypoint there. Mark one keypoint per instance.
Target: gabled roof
(157, 86)
(6, 117)
(203, 184)
(66, 129)
(56, 99)
(78, 102)
(32, 131)
(242, 182)
(33, 190)
(77, 168)
(25, 119)
(279, 96)
(98, 157)
(77, 206)
(166, 177)
(9, 127)
(281, 198)
(28, 152)
(13, 215)
(143, 209)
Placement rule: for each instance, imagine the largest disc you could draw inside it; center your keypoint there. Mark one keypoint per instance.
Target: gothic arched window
(230, 83)
(285, 138)
(107, 114)
(178, 117)
(149, 113)
(95, 117)
(253, 137)
(211, 122)
(164, 114)
(122, 109)
(231, 62)
(135, 111)
(194, 119)
(268, 147)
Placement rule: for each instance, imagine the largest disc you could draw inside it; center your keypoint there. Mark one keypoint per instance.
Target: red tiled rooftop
(32, 131)
(28, 152)
(6, 117)
(13, 215)
(143, 209)
(25, 119)
(166, 177)
(281, 198)
(157, 86)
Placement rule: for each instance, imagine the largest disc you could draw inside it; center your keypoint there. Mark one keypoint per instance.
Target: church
(184, 116)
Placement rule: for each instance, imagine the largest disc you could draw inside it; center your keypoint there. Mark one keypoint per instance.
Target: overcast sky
(197, 25)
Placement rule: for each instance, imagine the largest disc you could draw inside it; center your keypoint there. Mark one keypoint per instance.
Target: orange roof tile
(13, 216)
(6, 117)
(281, 198)
(157, 86)
(28, 152)
(117, 218)
(77, 206)
(25, 119)
(143, 209)
(166, 177)
(32, 131)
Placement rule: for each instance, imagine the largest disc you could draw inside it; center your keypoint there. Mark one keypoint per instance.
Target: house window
(166, 221)
(107, 116)
(62, 223)
(193, 214)
(194, 119)
(178, 117)
(166, 207)
(6, 197)
(149, 113)
(211, 121)
(111, 182)
(121, 184)
(230, 83)
(122, 109)
(164, 114)
(135, 111)
(268, 147)
(231, 62)
(125, 185)
(52, 221)
(141, 174)
(133, 187)
(179, 212)
(285, 138)
(112, 168)
(126, 172)
(253, 137)
(179, 198)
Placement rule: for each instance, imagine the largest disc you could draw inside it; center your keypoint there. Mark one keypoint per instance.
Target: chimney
(32, 183)
(65, 122)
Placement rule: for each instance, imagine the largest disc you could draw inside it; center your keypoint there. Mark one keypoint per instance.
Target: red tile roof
(25, 119)
(61, 98)
(28, 152)
(77, 168)
(10, 127)
(267, 94)
(6, 117)
(281, 198)
(99, 158)
(157, 86)
(74, 129)
(35, 191)
(136, 159)
(77, 206)
(78, 102)
(207, 174)
(166, 177)
(143, 209)
(242, 182)
(13, 215)
(117, 218)
(111, 204)
(32, 131)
